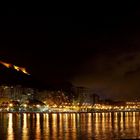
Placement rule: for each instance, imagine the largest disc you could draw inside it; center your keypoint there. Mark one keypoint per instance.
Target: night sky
(100, 51)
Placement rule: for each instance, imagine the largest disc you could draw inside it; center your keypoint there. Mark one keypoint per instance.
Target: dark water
(84, 126)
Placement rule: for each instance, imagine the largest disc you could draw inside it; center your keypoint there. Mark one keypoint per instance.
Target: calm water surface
(69, 126)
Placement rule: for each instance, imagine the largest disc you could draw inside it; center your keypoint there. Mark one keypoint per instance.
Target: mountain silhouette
(11, 76)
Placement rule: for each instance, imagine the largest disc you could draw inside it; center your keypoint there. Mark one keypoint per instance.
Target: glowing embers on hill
(6, 64)
(17, 68)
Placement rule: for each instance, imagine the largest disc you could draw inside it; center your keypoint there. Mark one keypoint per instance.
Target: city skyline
(101, 52)
(70, 77)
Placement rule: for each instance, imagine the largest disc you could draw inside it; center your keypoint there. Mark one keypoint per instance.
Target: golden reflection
(109, 121)
(24, 120)
(97, 123)
(10, 134)
(126, 120)
(134, 122)
(130, 118)
(71, 126)
(139, 125)
(46, 130)
(122, 124)
(38, 126)
(90, 125)
(60, 127)
(25, 129)
(47, 120)
(103, 123)
(107, 125)
(116, 121)
(73, 121)
(134, 117)
(54, 125)
(66, 121)
(84, 122)
(66, 124)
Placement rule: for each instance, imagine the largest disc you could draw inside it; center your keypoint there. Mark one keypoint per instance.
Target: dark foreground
(70, 126)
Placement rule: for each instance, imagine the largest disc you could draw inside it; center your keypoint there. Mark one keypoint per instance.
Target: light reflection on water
(10, 133)
(70, 126)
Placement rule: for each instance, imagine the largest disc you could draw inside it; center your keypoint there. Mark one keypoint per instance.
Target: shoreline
(57, 112)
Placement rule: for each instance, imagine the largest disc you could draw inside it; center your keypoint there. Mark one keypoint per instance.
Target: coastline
(57, 112)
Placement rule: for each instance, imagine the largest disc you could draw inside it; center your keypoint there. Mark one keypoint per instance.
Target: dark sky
(100, 51)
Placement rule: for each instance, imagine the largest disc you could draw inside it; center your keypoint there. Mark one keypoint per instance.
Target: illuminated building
(86, 96)
(16, 92)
